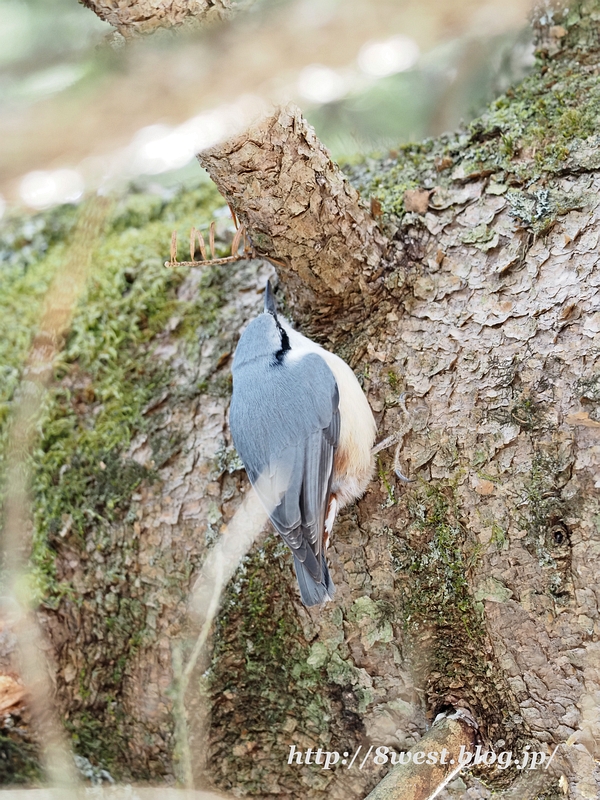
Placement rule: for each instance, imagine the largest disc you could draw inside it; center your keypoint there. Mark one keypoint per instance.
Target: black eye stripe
(285, 344)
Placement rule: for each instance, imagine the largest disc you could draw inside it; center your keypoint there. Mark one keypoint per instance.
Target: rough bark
(138, 17)
(299, 209)
(475, 587)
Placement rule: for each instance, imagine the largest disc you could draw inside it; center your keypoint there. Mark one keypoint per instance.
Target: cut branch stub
(299, 210)
(422, 775)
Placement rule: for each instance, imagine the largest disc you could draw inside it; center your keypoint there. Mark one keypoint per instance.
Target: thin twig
(236, 241)
(202, 246)
(233, 216)
(235, 245)
(211, 239)
(226, 260)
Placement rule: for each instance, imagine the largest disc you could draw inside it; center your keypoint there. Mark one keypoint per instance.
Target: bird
(304, 431)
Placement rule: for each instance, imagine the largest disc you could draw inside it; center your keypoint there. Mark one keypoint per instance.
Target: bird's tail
(314, 592)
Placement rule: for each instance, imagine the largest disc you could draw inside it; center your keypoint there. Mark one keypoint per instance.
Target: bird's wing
(300, 515)
(291, 464)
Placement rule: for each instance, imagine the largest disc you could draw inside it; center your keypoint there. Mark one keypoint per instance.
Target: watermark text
(328, 759)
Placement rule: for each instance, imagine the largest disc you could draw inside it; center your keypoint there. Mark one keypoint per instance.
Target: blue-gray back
(285, 423)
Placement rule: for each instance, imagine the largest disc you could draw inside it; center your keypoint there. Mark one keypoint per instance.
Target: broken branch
(424, 781)
(299, 210)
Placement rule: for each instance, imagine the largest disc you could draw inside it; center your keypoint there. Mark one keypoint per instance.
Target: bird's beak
(270, 305)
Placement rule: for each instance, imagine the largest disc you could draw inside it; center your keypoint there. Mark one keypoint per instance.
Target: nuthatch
(304, 431)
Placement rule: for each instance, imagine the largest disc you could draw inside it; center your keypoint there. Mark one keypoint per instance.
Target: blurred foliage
(19, 763)
(49, 48)
(31, 249)
(45, 47)
(453, 83)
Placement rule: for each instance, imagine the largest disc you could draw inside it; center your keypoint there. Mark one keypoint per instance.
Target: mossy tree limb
(472, 327)
(477, 584)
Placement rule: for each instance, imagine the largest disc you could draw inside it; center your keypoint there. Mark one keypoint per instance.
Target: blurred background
(83, 109)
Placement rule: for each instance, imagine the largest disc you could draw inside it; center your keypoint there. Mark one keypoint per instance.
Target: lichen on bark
(485, 314)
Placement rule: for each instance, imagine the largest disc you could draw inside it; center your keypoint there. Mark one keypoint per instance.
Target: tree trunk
(473, 587)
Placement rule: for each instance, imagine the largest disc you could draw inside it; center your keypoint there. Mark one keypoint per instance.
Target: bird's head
(264, 338)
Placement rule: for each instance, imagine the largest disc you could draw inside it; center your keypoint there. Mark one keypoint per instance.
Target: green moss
(106, 374)
(382, 474)
(543, 513)
(499, 537)
(19, 760)
(375, 619)
(22, 288)
(109, 387)
(588, 390)
(527, 413)
(26, 240)
(255, 613)
(447, 590)
(480, 457)
(267, 681)
(227, 460)
(526, 137)
(259, 655)
(221, 385)
(445, 637)
(552, 792)
(542, 489)
(388, 179)
(580, 20)
(100, 739)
